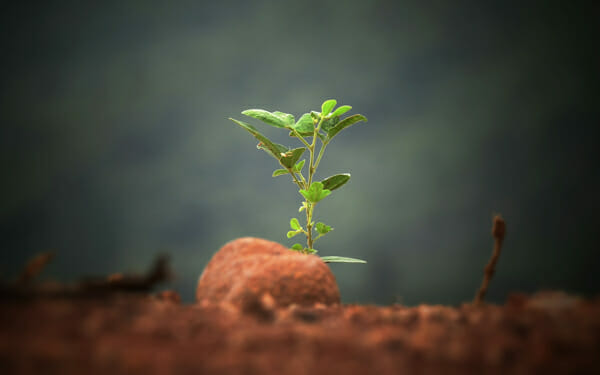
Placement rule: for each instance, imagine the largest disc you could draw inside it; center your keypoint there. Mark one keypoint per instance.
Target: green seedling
(324, 125)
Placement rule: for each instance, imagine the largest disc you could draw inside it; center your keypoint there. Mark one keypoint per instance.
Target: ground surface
(548, 334)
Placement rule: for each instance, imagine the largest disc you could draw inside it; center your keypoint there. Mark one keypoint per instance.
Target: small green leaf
(305, 125)
(294, 224)
(280, 172)
(335, 181)
(315, 192)
(323, 194)
(292, 233)
(344, 124)
(310, 251)
(327, 106)
(268, 117)
(291, 157)
(305, 194)
(341, 110)
(297, 247)
(336, 259)
(298, 167)
(303, 207)
(265, 143)
(316, 116)
(329, 123)
(323, 228)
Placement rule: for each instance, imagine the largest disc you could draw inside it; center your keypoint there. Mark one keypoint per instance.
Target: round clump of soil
(249, 268)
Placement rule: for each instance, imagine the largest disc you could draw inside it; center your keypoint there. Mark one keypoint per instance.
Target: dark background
(115, 143)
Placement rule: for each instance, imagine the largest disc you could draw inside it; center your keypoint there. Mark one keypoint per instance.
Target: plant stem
(311, 171)
(311, 148)
(296, 178)
(321, 151)
(309, 240)
(303, 180)
(300, 137)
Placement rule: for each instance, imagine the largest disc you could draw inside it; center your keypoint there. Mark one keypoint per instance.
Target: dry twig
(96, 287)
(34, 267)
(119, 282)
(498, 232)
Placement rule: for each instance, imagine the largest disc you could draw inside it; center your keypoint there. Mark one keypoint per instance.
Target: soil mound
(252, 271)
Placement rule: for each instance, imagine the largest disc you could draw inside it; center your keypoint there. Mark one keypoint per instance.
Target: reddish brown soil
(247, 269)
(127, 334)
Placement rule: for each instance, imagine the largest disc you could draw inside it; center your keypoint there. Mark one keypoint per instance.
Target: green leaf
(336, 259)
(327, 106)
(303, 207)
(292, 233)
(265, 143)
(291, 157)
(298, 167)
(281, 149)
(344, 124)
(294, 224)
(341, 110)
(335, 181)
(285, 156)
(305, 194)
(315, 192)
(323, 228)
(329, 123)
(280, 172)
(305, 125)
(316, 116)
(286, 117)
(310, 251)
(323, 194)
(297, 247)
(268, 117)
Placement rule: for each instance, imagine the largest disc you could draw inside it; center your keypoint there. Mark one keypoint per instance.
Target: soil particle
(262, 308)
(169, 296)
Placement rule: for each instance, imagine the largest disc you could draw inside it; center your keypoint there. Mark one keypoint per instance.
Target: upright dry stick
(498, 232)
(33, 267)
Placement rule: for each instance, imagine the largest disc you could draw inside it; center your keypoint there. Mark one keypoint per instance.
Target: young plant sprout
(324, 126)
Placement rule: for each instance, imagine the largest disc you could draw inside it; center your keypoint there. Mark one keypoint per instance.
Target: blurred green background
(115, 143)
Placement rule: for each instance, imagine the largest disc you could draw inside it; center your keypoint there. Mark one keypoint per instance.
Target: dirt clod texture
(129, 334)
(253, 273)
